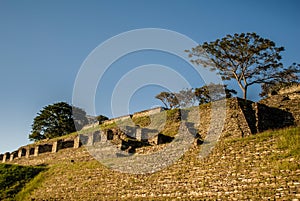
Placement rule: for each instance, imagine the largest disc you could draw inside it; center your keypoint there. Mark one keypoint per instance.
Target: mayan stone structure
(243, 118)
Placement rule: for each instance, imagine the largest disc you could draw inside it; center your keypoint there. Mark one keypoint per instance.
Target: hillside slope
(260, 167)
(14, 177)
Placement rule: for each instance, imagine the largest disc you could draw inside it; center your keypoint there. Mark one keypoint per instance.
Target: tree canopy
(101, 118)
(246, 57)
(168, 99)
(188, 97)
(57, 120)
(213, 92)
(185, 98)
(273, 89)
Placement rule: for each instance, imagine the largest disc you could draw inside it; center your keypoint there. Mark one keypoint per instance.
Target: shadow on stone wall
(261, 117)
(249, 113)
(272, 118)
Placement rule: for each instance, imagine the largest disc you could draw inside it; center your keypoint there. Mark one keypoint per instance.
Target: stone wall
(32, 150)
(148, 112)
(247, 118)
(93, 125)
(288, 90)
(272, 118)
(254, 168)
(122, 118)
(288, 102)
(6, 157)
(235, 125)
(243, 118)
(137, 114)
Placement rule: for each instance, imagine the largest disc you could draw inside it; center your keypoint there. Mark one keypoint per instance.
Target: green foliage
(213, 92)
(273, 88)
(14, 177)
(57, 120)
(172, 124)
(101, 118)
(182, 99)
(142, 121)
(246, 57)
(169, 99)
(167, 122)
(173, 115)
(168, 117)
(186, 98)
(108, 126)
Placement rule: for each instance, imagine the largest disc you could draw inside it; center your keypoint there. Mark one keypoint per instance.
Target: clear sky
(44, 43)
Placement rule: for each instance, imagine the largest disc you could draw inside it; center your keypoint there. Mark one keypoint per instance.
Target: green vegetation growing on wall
(167, 122)
(142, 121)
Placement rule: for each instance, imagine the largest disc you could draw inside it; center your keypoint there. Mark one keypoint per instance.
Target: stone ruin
(135, 137)
(243, 118)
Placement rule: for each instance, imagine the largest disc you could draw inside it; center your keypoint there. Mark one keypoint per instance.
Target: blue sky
(44, 43)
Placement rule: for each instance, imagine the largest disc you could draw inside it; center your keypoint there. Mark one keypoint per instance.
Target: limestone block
(21, 152)
(77, 142)
(36, 150)
(13, 155)
(6, 157)
(54, 147)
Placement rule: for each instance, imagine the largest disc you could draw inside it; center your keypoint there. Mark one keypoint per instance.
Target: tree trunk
(245, 93)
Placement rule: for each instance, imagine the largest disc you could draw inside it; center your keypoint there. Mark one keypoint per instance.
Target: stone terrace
(237, 169)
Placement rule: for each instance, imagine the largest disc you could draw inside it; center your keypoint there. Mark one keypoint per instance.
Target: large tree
(246, 57)
(56, 120)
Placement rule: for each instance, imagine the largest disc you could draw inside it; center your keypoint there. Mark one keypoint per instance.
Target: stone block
(13, 155)
(96, 136)
(21, 152)
(86, 139)
(103, 135)
(36, 150)
(6, 157)
(138, 134)
(130, 131)
(54, 147)
(160, 139)
(83, 138)
(77, 142)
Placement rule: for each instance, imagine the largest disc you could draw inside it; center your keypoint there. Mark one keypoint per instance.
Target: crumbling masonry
(242, 119)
